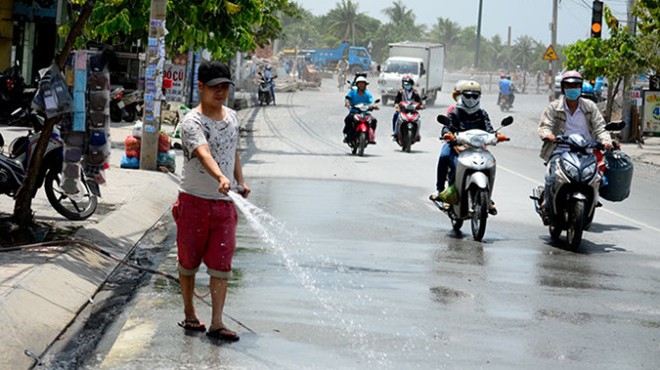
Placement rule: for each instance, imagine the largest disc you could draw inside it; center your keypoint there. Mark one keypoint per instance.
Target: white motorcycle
(475, 178)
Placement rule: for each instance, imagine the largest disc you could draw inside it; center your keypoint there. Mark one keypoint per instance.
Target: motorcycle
(574, 193)
(125, 106)
(475, 178)
(408, 123)
(363, 133)
(505, 101)
(14, 93)
(14, 167)
(264, 92)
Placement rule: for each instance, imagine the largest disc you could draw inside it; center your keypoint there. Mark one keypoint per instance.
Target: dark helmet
(407, 80)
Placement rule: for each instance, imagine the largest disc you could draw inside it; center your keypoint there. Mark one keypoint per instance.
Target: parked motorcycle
(264, 93)
(14, 93)
(363, 133)
(408, 124)
(475, 178)
(125, 106)
(14, 168)
(574, 193)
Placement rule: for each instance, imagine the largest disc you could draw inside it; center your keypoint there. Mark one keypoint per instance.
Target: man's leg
(272, 91)
(394, 119)
(218, 289)
(187, 289)
(348, 128)
(443, 167)
(374, 123)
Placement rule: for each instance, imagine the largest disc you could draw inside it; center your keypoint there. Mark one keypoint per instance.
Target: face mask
(470, 102)
(572, 94)
(407, 87)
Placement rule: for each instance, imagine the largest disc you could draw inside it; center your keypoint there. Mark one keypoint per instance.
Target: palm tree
(344, 20)
(399, 14)
(523, 50)
(446, 31)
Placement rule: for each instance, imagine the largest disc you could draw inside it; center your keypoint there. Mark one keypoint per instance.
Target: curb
(42, 299)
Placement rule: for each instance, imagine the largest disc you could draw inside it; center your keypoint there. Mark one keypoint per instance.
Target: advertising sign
(651, 112)
(177, 73)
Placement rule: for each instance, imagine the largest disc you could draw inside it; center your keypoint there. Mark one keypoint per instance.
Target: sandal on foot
(192, 325)
(224, 334)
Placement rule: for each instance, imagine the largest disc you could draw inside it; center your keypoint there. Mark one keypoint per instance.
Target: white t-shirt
(222, 139)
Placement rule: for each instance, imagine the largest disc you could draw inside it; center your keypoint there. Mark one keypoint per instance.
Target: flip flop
(192, 325)
(224, 334)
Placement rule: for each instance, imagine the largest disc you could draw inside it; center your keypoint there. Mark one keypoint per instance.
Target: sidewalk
(649, 152)
(41, 293)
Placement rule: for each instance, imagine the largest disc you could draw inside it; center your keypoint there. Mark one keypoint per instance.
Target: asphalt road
(352, 267)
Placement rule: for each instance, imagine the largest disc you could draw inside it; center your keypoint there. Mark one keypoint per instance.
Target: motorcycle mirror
(378, 68)
(424, 97)
(442, 119)
(615, 126)
(507, 121)
(377, 101)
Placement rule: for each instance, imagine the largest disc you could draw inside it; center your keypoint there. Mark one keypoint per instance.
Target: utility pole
(508, 51)
(625, 133)
(476, 54)
(553, 33)
(153, 85)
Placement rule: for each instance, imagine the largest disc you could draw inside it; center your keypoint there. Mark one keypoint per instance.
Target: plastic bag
(450, 195)
(129, 162)
(617, 177)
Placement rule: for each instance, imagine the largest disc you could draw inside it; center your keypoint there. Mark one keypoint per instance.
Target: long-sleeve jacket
(463, 121)
(553, 121)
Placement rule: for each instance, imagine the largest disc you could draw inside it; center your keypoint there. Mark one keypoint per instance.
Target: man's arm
(203, 153)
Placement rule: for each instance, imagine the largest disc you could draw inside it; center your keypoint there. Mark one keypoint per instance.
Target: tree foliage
(220, 26)
(615, 57)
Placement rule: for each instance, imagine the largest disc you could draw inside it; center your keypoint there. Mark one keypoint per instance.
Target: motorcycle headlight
(589, 172)
(570, 170)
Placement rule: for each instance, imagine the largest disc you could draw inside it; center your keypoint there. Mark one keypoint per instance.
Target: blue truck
(358, 57)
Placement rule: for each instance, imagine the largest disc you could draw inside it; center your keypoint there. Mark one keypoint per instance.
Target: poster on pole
(177, 73)
(651, 112)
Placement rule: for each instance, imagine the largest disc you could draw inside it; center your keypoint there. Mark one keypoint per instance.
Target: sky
(525, 17)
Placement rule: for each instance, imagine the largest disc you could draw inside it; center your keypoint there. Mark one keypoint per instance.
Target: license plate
(121, 105)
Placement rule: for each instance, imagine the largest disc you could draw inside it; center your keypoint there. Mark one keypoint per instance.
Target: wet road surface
(357, 269)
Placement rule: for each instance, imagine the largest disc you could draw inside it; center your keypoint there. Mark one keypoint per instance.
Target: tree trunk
(611, 95)
(23, 206)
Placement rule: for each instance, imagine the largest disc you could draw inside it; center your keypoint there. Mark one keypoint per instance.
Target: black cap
(212, 73)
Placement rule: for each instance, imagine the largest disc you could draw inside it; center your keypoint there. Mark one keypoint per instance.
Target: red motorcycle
(407, 125)
(363, 130)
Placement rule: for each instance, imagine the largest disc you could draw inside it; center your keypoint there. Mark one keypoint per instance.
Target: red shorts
(206, 231)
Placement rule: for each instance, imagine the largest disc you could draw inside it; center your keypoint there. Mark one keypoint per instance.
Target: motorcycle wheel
(74, 209)
(407, 141)
(130, 115)
(480, 203)
(362, 143)
(456, 224)
(555, 231)
(115, 113)
(577, 219)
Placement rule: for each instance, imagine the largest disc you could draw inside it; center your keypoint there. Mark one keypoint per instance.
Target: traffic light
(596, 18)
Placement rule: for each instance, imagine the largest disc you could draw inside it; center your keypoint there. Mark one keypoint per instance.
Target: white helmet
(361, 79)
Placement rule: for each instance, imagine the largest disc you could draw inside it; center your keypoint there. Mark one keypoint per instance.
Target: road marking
(632, 220)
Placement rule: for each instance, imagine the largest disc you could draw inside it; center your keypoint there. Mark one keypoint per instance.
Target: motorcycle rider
(342, 70)
(268, 76)
(506, 89)
(358, 96)
(569, 114)
(407, 92)
(467, 116)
